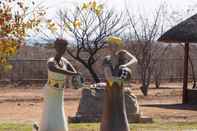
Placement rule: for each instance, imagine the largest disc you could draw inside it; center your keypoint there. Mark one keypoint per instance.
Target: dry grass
(95, 127)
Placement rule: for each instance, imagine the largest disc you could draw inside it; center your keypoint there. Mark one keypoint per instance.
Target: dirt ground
(24, 103)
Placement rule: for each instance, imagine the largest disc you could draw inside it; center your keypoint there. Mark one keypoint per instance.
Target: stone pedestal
(192, 96)
(91, 106)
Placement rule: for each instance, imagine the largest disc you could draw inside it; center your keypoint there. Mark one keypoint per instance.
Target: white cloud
(119, 5)
(145, 6)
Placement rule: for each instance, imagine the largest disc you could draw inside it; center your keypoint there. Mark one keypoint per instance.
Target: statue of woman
(53, 117)
(116, 71)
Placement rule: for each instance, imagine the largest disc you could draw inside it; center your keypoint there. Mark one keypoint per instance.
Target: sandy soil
(24, 103)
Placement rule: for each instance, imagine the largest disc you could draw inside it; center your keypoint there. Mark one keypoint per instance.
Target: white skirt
(53, 116)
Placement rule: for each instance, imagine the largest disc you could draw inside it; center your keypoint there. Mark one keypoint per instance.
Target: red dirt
(24, 103)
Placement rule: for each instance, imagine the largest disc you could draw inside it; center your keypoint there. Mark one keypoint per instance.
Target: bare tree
(159, 64)
(145, 32)
(90, 28)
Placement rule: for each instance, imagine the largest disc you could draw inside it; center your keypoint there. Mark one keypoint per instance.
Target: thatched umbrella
(184, 32)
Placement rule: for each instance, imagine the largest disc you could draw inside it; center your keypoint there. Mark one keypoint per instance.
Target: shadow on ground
(173, 106)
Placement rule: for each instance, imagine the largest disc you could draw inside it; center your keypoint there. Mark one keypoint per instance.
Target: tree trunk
(114, 116)
(145, 80)
(157, 79)
(194, 85)
(157, 83)
(144, 89)
(93, 74)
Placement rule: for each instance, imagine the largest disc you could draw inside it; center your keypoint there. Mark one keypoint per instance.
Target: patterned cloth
(125, 73)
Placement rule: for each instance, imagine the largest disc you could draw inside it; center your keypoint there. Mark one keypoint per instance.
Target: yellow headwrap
(115, 40)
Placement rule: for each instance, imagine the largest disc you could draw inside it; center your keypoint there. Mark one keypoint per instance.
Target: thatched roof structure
(186, 31)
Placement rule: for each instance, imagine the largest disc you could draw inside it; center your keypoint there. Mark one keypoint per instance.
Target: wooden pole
(185, 79)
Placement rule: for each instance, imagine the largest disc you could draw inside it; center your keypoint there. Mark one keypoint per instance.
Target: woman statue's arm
(69, 65)
(132, 60)
(54, 68)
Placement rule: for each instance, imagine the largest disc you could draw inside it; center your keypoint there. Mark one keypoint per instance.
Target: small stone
(145, 119)
(31, 104)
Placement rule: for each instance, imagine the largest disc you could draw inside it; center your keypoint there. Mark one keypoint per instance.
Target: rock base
(192, 96)
(91, 102)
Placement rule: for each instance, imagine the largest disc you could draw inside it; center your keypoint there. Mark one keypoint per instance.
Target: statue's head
(60, 46)
(114, 43)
